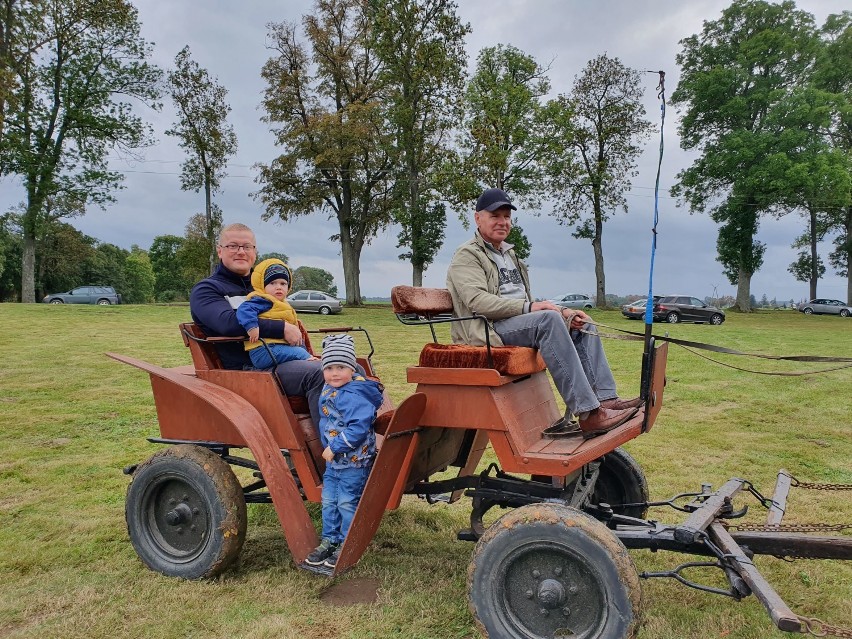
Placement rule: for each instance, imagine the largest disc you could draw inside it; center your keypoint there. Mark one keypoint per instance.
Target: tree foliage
(204, 134)
(311, 277)
(504, 142)
(139, 278)
(734, 75)
(170, 282)
(421, 46)
(77, 64)
(597, 131)
(325, 103)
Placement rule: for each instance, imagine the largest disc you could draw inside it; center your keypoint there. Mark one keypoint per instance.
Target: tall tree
(139, 277)
(421, 46)
(192, 255)
(834, 75)
(597, 132)
(504, 144)
(324, 101)
(732, 77)
(73, 107)
(204, 133)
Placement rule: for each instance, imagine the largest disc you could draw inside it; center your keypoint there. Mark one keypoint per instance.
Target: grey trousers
(576, 360)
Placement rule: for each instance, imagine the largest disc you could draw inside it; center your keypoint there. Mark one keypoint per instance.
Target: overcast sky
(229, 39)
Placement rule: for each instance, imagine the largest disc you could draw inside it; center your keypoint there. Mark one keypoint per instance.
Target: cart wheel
(185, 513)
(621, 481)
(547, 570)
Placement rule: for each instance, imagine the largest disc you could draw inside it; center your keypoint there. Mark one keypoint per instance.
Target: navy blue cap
(493, 199)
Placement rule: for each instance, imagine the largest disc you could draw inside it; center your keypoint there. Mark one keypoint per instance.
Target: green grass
(70, 419)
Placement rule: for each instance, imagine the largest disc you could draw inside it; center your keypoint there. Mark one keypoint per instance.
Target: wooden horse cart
(555, 566)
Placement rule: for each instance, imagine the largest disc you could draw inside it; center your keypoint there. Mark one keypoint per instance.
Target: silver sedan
(314, 302)
(827, 307)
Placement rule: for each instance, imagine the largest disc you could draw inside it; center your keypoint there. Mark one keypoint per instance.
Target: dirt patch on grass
(353, 591)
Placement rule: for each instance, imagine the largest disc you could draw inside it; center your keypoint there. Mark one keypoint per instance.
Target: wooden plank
(477, 449)
(377, 492)
(779, 499)
(788, 544)
(699, 520)
(783, 618)
(654, 401)
(458, 376)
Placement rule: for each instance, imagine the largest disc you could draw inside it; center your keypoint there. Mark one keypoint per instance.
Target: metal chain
(813, 485)
(819, 628)
(791, 527)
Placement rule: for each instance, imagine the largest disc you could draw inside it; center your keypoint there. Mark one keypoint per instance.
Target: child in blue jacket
(348, 405)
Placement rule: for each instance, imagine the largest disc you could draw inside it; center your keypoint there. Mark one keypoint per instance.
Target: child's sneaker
(321, 553)
(331, 562)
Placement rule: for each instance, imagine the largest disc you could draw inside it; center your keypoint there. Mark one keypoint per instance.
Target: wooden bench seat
(432, 302)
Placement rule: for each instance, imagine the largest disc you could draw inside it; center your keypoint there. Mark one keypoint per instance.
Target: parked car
(827, 307)
(683, 308)
(574, 300)
(636, 309)
(315, 302)
(100, 295)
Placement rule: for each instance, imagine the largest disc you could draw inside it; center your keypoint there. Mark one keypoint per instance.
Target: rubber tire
(103, 302)
(600, 596)
(588, 306)
(205, 482)
(672, 318)
(808, 311)
(621, 480)
(716, 319)
(56, 302)
(324, 310)
(844, 313)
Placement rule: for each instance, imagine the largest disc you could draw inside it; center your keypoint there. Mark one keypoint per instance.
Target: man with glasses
(213, 302)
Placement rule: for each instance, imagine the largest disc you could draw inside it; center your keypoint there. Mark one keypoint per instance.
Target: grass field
(70, 419)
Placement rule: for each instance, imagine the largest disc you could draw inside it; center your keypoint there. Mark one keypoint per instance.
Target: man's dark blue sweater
(211, 310)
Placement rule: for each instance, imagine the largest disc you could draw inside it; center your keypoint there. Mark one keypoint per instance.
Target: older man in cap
(487, 278)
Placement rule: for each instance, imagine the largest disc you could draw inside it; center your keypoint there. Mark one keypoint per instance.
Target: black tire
(56, 302)
(808, 311)
(547, 570)
(621, 481)
(672, 318)
(103, 302)
(324, 310)
(716, 319)
(185, 512)
(844, 312)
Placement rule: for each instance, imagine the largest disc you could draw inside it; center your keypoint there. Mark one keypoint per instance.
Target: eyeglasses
(235, 248)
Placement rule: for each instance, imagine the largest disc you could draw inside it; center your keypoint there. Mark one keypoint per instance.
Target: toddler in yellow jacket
(271, 282)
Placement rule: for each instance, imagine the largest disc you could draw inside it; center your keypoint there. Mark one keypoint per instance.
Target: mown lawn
(70, 419)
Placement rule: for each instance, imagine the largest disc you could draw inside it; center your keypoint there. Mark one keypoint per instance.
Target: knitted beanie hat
(338, 349)
(275, 272)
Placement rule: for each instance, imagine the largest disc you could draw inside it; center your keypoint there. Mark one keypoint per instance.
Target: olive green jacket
(474, 284)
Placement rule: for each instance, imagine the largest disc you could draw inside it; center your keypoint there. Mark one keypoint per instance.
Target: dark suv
(100, 295)
(682, 308)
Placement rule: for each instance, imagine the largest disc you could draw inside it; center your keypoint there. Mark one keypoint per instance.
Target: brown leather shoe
(602, 420)
(561, 428)
(616, 403)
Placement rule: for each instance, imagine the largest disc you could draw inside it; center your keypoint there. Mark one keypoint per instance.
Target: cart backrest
(431, 302)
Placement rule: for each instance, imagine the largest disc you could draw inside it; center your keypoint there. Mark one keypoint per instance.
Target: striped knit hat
(338, 349)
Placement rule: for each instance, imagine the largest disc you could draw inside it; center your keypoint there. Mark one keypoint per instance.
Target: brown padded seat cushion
(508, 360)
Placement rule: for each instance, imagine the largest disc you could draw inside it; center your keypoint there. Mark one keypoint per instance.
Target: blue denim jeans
(341, 492)
(262, 360)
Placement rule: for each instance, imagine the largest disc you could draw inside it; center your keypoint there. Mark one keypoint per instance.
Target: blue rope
(649, 304)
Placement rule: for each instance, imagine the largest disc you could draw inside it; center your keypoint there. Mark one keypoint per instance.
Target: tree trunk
(814, 257)
(744, 291)
(597, 246)
(208, 214)
(28, 268)
(848, 225)
(416, 275)
(351, 271)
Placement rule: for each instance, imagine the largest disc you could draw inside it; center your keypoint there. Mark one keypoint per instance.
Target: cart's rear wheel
(621, 481)
(550, 571)
(185, 513)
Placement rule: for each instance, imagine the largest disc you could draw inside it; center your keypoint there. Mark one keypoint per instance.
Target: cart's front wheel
(550, 571)
(622, 481)
(185, 513)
